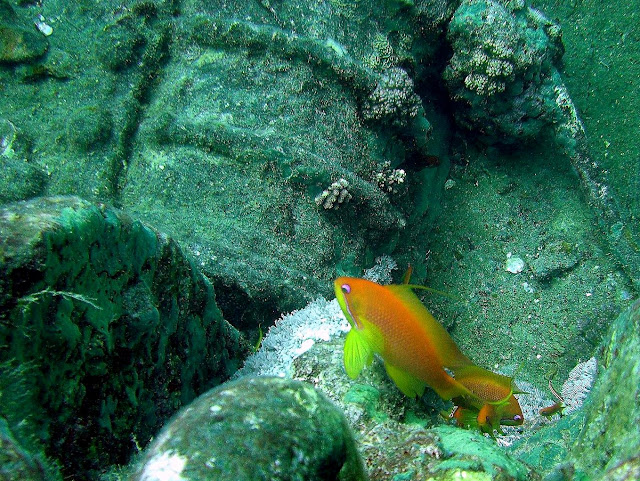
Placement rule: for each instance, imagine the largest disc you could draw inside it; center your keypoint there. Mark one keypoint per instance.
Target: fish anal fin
(357, 354)
(409, 385)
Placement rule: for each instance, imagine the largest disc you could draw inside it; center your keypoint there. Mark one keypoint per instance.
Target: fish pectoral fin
(357, 354)
(409, 385)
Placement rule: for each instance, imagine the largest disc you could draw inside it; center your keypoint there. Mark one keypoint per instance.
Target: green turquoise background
(177, 176)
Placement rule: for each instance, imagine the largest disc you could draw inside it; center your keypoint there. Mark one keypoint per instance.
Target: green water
(271, 146)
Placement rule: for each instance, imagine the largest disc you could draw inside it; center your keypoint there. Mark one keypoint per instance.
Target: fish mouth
(357, 324)
(344, 304)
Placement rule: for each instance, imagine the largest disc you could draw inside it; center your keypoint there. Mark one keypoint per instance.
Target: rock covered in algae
(599, 440)
(107, 326)
(609, 443)
(18, 41)
(502, 73)
(17, 462)
(257, 428)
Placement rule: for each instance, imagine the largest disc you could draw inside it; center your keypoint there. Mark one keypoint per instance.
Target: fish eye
(346, 288)
(517, 417)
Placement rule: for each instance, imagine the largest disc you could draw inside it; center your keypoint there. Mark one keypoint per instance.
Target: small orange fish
(496, 392)
(555, 408)
(417, 351)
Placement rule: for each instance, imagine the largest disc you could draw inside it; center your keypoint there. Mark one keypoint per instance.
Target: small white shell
(45, 28)
(514, 265)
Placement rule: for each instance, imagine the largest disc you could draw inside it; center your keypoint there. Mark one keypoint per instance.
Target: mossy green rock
(221, 122)
(20, 179)
(610, 438)
(18, 463)
(470, 455)
(256, 428)
(106, 326)
(18, 42)
(89, 128)
(600, 440)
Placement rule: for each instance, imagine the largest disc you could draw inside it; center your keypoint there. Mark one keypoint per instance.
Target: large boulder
(257, 428)
(278, 143)
(19, 41)
(106, 329)
(609, 442)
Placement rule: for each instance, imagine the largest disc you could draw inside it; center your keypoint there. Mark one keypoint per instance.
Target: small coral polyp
(335, 195)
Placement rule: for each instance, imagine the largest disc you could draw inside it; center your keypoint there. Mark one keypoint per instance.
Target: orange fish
(555, 408)
(498, 405)
(417, 351)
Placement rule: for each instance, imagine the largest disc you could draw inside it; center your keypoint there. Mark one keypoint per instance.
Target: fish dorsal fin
(435, 291)
(404, 293)
(357, 354)
(407, 274)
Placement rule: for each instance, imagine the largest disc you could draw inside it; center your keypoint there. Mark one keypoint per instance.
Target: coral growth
(335, 195)
(501, 73)
(388, 179)
(393, 101)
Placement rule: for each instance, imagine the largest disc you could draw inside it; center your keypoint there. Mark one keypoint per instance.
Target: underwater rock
(20, 180)
(502, 75)
(470, 455)
(220, 124)
(89, 128)
(255, 428)
(228, 162)
(609, 441)
(628, 470)
(118, 327)
(17, 463)
(600, 439)
(18, 42)
(57, 64)
(554, 259)
(120, 44)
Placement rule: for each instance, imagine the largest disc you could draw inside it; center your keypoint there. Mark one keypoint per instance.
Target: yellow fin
(409, 385)
(357, 354)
